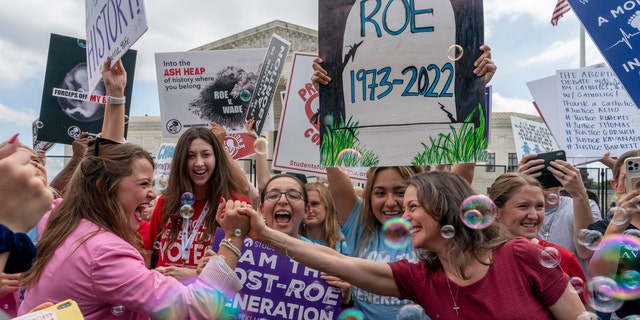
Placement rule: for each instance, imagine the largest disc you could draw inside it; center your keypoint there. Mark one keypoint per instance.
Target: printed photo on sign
(403, 89)
(68, 106)
(198, 87)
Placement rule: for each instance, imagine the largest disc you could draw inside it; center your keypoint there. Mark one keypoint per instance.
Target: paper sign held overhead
(112, 27)
(268, 80)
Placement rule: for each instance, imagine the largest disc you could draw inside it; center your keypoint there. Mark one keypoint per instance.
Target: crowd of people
(105, 238)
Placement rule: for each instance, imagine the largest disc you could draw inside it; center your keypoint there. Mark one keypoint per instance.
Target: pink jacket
(101, 271)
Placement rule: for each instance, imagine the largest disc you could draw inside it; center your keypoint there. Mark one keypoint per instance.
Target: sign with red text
(68, 106)
(277, 287)
(403, 89)
(197, 87)
(112, 26)
(297, 146)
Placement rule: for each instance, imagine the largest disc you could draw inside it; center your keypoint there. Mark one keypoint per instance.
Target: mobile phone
(632, 173)
(67, 310)
(546, 179)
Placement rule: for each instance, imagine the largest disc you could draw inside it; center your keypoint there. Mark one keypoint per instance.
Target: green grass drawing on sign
(340, 147)
(462, 145)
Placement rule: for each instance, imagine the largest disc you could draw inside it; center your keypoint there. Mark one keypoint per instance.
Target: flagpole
(582, 46)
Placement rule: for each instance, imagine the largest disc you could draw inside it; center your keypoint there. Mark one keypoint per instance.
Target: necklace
(546, 227)
(455, 305)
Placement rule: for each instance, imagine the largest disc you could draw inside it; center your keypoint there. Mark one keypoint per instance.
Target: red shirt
(172, 255)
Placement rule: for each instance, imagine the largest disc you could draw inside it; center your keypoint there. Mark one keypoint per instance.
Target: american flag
(561, 8)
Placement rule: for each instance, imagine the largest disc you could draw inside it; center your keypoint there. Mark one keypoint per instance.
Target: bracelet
(116, 100)
(227, 243)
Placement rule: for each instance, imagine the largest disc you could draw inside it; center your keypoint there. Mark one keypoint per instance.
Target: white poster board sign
(590, 113)
(112, 27)
(531, 137)
(297, 146)
(197, 87)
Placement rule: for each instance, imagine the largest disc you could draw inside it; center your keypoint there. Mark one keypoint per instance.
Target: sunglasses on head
(96, 148)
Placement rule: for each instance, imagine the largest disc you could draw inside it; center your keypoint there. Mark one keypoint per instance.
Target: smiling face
(201, 163)
(425, 230)
(135, 191)
(318, 211)
(387, 195)
(523, 212)
(283, 214)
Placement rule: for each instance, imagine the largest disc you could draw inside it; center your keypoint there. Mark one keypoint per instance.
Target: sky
(525, 46)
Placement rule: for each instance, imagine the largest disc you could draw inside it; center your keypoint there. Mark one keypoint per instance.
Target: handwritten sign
(197, 87)
(162, 166)
(614, 26)
(403, 91)
(276, 287)
(268, 79)
(597, 114)
(531, 137)
(297, 146)
(112, 26)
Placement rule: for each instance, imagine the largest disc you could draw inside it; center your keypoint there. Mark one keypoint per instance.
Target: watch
(115, 100)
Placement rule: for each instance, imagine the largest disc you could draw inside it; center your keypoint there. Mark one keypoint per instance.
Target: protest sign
(614, 26)
(531, 137)
(68, 107)
(277, 287)
(297, 147)
(197, 87)
(268, 79)
(588, 112)
(112, 26)
(162, 165)
(403, 89)
(37, 144)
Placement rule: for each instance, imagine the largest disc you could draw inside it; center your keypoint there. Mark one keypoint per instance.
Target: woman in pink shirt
(89, 251)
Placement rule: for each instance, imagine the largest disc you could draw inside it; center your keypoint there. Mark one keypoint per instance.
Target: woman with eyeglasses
(201, 167)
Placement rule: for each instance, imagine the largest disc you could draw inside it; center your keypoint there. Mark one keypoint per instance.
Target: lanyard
(187, 239)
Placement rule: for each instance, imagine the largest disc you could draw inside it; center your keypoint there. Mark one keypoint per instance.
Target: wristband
(22, 250)
(116, 100)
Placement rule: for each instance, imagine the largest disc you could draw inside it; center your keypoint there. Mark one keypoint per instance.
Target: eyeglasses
(96, 148)
(292, 195)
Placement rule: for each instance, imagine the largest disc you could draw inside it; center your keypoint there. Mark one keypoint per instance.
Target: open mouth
(282, 217)
(415, 229)
(137, 214)
(200, 172)
(391, 213)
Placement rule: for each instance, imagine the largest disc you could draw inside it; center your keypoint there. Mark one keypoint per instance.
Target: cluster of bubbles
(620, 216)
(477, 212)
(609, 294)
(186, 211)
